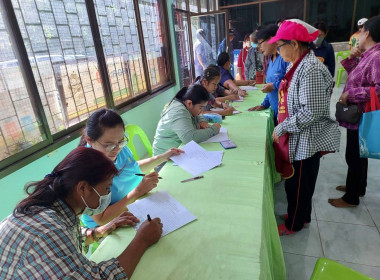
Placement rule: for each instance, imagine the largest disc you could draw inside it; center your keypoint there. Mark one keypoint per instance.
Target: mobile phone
(228, 144)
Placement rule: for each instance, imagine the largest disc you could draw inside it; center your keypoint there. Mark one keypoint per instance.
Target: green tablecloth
(235, 235)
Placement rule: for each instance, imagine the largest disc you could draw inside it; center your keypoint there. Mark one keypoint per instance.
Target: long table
(235, 235)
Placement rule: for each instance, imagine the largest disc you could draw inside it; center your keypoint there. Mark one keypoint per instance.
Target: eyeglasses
(279, 47)
(110, 148)
(259, 44)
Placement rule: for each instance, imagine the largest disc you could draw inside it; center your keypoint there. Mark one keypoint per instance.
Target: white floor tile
(305, 242)
(371, 200)
(352, 215)
(350, 243)
(299, 267)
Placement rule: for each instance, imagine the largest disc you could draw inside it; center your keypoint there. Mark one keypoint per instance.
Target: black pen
(139, 174)
(149, 219)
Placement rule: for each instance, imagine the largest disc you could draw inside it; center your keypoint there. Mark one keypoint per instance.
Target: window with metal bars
(62, 60)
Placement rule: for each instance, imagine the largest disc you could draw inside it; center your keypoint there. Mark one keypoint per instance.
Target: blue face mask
(254, 45)
(104, 201)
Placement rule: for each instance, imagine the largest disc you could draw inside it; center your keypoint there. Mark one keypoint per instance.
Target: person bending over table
(227, 80)
(104, 132)
(42, 240)
(181, 121)
(221, 93)
(276, 69)
(209, 79)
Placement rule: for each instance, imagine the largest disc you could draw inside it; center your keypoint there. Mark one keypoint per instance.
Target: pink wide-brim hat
(295, 29)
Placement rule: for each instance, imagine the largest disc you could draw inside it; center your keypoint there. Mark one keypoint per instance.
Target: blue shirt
(224, 75)
(122, 184)
(276, 71)
(325, 53)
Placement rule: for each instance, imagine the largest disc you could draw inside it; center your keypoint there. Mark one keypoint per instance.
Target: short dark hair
(373, 26)
(321, 26)
(266, 32)
(223, 58)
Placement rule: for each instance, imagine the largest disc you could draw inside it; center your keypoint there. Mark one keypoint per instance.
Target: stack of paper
(173, 214)
(197, 160)
(221, 136)
(248, 87)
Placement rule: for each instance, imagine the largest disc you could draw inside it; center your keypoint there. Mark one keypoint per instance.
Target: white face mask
(104, 201)
(318, 41)
(248, 44)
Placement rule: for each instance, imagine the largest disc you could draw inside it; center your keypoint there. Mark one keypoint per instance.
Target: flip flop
(282, 230)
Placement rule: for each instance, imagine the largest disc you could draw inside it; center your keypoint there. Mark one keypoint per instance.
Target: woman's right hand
(229, 111)
(150, 231)
(234, 97)
(148, 183)
(355, 52)
(257, 108)
(242, 92)
(217, 125)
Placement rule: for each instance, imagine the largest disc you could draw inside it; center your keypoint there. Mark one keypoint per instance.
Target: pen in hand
(149, 219)
(139, 174)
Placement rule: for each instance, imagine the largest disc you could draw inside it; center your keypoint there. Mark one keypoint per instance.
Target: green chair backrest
(326, 269)
(342, 55)
(132, 130)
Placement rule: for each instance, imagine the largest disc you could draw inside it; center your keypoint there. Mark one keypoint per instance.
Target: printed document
(196, 160)
(161, 204)
(248, 88)
(221, 136)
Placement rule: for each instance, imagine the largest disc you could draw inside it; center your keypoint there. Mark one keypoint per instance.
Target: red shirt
(241, 60)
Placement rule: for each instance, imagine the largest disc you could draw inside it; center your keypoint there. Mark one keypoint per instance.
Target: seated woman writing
(210, 79)
(105, 132)
(42, 240)
(227, 80)
(181, 121)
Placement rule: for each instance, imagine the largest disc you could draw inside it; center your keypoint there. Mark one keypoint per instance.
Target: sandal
(282, 230)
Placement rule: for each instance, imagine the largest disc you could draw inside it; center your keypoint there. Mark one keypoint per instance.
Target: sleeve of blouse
(55, 256)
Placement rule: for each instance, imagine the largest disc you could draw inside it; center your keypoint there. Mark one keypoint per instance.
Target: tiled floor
(349, 236)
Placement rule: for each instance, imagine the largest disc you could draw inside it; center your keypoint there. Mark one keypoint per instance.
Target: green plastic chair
(326, 269)
(342, 55)
(133, 130)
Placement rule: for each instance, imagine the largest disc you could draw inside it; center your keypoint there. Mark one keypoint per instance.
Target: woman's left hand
(124, 219)
(251, 82)
(275, 138)
(203, 125)
(344, 98)
(172, 152)
(267, 88)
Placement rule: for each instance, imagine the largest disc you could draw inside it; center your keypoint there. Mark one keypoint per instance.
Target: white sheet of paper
(221, 136)
(241, 99)
(216, 109)
(217, 154)
(237, 112)
(195, 159)
(248, 87)
(173, 214)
